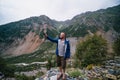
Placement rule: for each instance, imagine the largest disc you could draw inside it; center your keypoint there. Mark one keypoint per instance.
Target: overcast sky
(14, 10)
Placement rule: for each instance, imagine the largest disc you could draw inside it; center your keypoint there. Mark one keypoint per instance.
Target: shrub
(116, 46)
(24, 77)
(74, 73)
(89, 67)
(92, 51)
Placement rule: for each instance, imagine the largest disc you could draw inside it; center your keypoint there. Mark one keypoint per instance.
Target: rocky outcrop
(111, 70)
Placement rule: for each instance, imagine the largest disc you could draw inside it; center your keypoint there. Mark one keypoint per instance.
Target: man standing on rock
(62, 53)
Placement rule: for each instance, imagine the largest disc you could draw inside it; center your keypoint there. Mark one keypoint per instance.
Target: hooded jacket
(67, 47)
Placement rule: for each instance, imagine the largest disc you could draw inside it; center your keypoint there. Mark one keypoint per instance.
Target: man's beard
(61, 37)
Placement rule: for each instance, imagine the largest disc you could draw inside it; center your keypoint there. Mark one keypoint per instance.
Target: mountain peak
(43, 16)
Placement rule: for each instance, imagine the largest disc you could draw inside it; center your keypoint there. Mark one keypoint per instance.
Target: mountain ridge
(102, 21)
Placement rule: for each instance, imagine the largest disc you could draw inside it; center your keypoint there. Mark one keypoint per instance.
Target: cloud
(13, 10)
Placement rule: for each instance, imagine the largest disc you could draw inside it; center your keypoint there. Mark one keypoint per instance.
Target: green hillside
(104, 19)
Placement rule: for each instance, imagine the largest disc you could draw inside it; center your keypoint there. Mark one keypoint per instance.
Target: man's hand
(45, 34)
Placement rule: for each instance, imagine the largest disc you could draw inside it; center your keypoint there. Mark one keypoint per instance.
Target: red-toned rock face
(27, 45)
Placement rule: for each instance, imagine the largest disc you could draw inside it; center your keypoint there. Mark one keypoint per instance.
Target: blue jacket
(67, 51)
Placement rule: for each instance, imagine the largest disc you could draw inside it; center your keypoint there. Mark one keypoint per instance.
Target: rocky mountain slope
(104, 22)
(104, 19)
(25, 36)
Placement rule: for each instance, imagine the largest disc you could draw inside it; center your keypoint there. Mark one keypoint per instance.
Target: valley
(24, 48)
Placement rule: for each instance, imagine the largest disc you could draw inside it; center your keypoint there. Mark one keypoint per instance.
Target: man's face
(62, 35)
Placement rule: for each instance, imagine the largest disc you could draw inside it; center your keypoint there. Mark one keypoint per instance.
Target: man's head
(62, 35)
